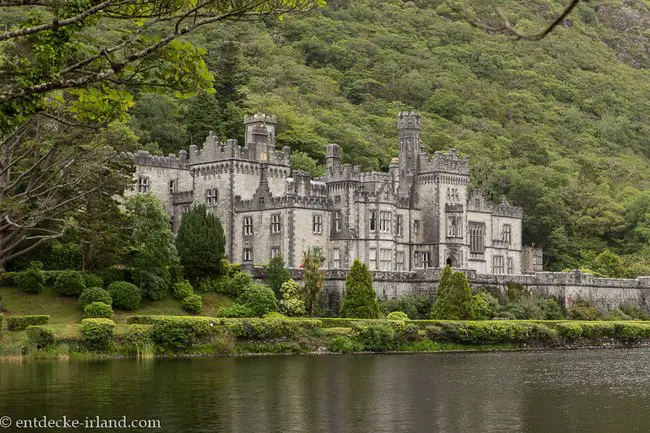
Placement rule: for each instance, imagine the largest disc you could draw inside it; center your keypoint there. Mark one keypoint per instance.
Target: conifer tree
(313, 277)
(360, 300)
(201, 244)
(278, 274)
(453, 296)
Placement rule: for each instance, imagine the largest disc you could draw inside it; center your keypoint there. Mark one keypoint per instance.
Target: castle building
(418, 215)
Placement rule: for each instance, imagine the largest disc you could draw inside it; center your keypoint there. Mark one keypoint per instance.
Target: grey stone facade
(419, 215)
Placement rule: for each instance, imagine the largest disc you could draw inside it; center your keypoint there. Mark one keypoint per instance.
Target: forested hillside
(559, 126)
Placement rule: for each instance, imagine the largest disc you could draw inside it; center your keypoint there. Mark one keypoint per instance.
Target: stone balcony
(182, 197)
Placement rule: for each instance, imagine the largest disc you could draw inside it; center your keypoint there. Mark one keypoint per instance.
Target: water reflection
(596, 391)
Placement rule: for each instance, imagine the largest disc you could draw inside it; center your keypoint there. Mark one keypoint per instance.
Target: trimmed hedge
(31, 281)
(98, 310)
(192, 304)
(397, 315)
(70, 283)
(92, 280)
(126, 296)
(261, 329)
(182, 290)
(18, 323)
(136, 338)
(180, 334)
(2, 319)
(95, 294)
(235, 310)
(8, 279)
(40, 336)
(98, 333)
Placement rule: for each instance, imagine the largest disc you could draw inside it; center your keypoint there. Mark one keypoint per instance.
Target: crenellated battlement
(478, 203)
(448, 162)
(144, 157)
(260, 118)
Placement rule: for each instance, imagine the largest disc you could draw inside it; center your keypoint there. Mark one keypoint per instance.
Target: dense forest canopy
(559, 126)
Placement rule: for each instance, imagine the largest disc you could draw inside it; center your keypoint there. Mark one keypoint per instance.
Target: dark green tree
(202, 116)
(201, 244)
(360, 300)
(313, 277)
(278, 274)
(159, 121)
(453, 296)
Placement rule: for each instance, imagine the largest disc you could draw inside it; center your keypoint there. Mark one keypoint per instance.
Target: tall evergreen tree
(278, 274)
(360, 300)
(313, 277)
(202, 117)
(201, 244)
(453, 296)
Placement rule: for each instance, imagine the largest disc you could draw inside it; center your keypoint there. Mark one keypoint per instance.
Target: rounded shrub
(98, 310)
(40, 336)
(240, 281)
(397, 315)
(259, 299)
(98, 333)
(69, 283)
(192, 304)
(31, 280)
(93, 280)
(126, 296)
(154, 286)
(235, 310)
(94, 294)
(182, 290)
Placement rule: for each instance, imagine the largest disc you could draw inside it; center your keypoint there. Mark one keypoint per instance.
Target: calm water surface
(572, 391)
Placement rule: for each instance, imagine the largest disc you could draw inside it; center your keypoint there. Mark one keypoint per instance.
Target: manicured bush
(453, 296)
(8, 279)
(40, 336)
(569, 331)
(397, 315)
(137, 339)
(50, 277)
(94, 294)
(436, 333)
(360, 299)
(31, 280)
(374, 337)
(18, 323)
(98, 333)
(93, 280)
(126, 296)
(407, 334)
(70, 283)
(179, 334)
(292, 303)
(483, 306)
(631, 332)
(192, 304)
(262, 329)
(416, 306)
(553, 310)
(259, 299)
(182, 290)
(344, 344)
(98, 310)
(235, 310)
(239, 282)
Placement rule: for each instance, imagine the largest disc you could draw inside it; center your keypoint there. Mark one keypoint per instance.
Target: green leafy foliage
(583, 309)
(18, 323)
(192, 304)
(98, 310)
(313, 278)
(259, 299)
(235, 310)
(292, 303)
(277, 273)
(94, 294)
(98, 333)
(126, 296)
(182, 290)
(40, 336)
(453, 296)
(360, 300)
(201, 244)
(31, 280)
(240, 281)
(397, 315)
(70, 283)
(180, 334)
(483, 306)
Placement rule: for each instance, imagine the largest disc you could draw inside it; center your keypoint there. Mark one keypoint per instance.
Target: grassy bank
(152, 336)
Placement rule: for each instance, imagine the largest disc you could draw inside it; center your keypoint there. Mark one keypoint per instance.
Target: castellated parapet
(418, 216)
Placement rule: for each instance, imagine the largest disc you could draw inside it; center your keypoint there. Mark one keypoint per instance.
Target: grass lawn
(65, 310)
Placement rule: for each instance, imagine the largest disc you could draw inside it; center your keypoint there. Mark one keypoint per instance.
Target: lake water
(558, 391)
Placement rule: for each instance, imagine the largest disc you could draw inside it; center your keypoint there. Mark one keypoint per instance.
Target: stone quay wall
(565, 286)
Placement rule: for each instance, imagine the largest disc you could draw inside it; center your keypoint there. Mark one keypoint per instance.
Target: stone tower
(410, 146)
(260, 136)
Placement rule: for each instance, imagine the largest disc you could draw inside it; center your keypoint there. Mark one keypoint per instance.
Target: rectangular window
(336, 258)
(497, 265)
(275, 251)
(476, 237)
(511, 267)
(455, 226)
(416, 226)
(398, 225)
(276, 225)
(372, 259)
(211, 197)
(337, 199)
(173, 186)
(507, 231)
(317, 224)
(373, 220)
(426, 259)
(385, 221)
(537, 259)
(248, 226)
(143, 184)
(417, 259)
(248, 255)
(338, 221)
(399, 261)
(385, 259)
(186, 208)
